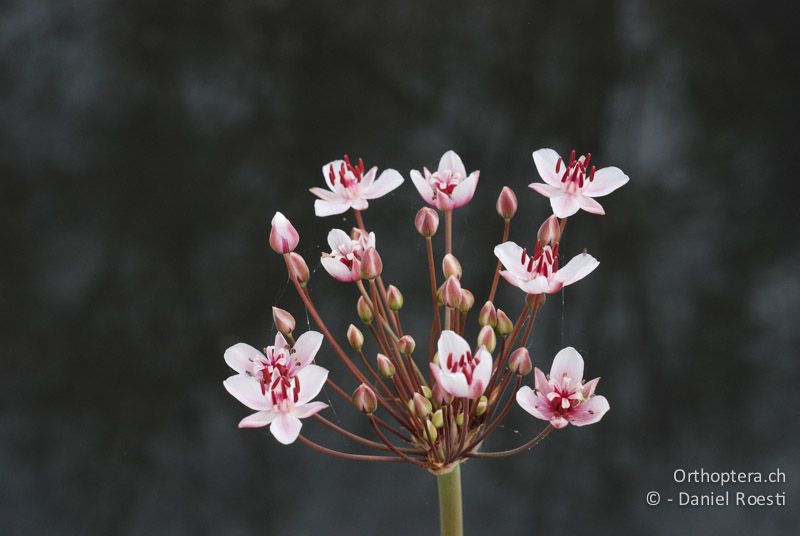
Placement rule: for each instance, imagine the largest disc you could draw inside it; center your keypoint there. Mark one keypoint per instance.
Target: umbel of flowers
(430, 405)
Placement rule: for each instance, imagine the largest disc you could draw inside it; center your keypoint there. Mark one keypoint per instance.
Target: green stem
(451, 523)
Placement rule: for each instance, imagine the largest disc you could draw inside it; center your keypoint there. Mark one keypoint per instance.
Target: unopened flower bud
(426, 392)
(435, 359)
(467, 300)
(283, 237)
(504, 324)
(550, 231)
(394, 297)
(440, 396)
(385, 366)
(488, 315)
(480, 407)
(487, 338)
(427, 222)
(438, 418)
(451, 292)
(355, 338)
(284, 321)
(371, 264)
(298, 269)
(364, 310)
(432, 433)
(421, 406)
(364, 399)
(451, 266)
(460, 419)
(520, 362)
(507, 203)
(406, 344)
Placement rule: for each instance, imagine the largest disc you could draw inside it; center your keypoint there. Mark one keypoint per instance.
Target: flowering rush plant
(429, 407)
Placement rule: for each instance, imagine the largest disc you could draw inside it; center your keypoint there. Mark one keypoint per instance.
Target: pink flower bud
(394, 298)
(520, 362)
(364, 399)
(371, 264)
(451, 292)
(406, 344)
(284, 321)
(355, 338)
(451, 266)
(364, 311)
(467, 300)
(385, 366)
(421, 406)
(507, 203)
(550, 231)
(504, 324)
(283, 237)
(487, 338)
(488, 315)
(427, 222)
(298, 269)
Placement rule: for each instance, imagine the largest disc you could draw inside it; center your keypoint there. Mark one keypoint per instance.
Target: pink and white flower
(573, 186)
(461, 373)
(540, 274)
(449, 187)
(344, 260)
(350, 186)
(279, 383)
(563, 398)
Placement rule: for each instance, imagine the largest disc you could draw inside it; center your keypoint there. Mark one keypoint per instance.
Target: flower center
(445, 182)
(348, 175)
(277, 374)
(564, 396)
(576, 173)
(544, 261)
(465, 364)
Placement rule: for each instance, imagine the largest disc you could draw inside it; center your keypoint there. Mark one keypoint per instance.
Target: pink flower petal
(329, 208)
(240, 357)
(451, 161)
(307, 410)
(247, 390)
(322, 193)
(512, 279)
(510, 255)
(564, 206)
(462, 194)
(307, 346)
(528, 401)
(568, 362)
(456, 384)
(369, 177)
(590, 411)
(577, 268)
(311, 378)
(444, 202)
(451, 342)
(388, 181)
(258, 420)
(338, 270)
(286, 428)
(482, 373)
(605, 181)
(558, 422)
(423, 187)
(538, 285)
(590, 205)
(545, 160)
(541, 383)
(589, 387)
(546, 190)
(359, 203)
(339, 242)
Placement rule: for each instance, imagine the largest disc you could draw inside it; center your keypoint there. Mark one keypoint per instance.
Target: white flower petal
(247, 390)
(606, 180)
(545, 160)
(577, 268)
(240, 357)
(307, 346)
(568, 362)
(286, 428)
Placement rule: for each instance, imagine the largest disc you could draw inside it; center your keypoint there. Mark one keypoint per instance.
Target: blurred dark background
(144, 147)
